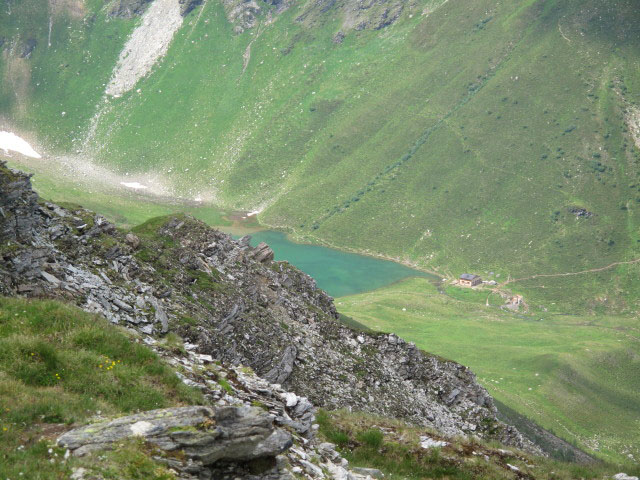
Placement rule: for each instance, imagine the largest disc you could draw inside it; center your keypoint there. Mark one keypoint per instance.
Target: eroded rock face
(187, 6)
(19, 220)
(262, 253)
(234, 304)
(357, 14)
(354, 14)
(205, 435)
(128, 8)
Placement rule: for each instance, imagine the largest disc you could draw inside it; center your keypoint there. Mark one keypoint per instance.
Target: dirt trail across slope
(568, 274)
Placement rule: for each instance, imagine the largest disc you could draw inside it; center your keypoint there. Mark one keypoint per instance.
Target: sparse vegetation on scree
(395, 448)
(469, 136)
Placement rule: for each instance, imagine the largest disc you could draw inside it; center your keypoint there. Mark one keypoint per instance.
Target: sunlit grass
(60, 366)
(578, 376)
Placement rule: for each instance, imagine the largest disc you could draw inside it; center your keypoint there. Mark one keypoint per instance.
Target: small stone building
(469, 280)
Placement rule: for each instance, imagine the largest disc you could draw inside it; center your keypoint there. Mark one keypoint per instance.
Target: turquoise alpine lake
(337, 273)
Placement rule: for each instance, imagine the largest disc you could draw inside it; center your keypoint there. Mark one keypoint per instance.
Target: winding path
(568, 274)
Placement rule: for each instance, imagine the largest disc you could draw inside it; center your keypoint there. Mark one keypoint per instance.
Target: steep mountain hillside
(484, 136)
(239, 313)
(232, 302)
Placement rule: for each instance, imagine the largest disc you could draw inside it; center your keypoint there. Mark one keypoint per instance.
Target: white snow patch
(142, 428)
(10, 141)
(147, 44)
(134, 185)
(258, 209)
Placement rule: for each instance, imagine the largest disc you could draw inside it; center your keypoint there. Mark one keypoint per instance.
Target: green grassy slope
(67, 76)
(60, 366)
(462, 137)
(578, 376)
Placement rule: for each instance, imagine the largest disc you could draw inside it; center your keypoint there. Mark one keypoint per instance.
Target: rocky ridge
(244, 15)
(232, 303)
(353, 14)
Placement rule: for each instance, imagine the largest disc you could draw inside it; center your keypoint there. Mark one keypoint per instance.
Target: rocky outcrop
(357, 14)
(245, 14)
(29, 47)
(233, 303)
(242, 14)
(128, 8)
(250, 400)
(288, 411)
(204, 435)
(262, 253)
(354, 14)
(187, 6)
(19, 220)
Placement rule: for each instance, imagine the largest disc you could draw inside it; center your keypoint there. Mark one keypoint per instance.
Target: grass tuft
(60, 366)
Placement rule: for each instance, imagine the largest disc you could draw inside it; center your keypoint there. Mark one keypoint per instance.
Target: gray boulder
(262, 253)
(205, 435)
(132, 240)
(128, 8)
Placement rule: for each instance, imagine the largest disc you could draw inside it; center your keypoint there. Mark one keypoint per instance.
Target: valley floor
(576, 375)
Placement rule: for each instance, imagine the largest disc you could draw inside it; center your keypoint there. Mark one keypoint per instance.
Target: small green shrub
(225, 385)
(372, 438)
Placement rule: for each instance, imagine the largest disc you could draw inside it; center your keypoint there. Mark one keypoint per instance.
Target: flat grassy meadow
(575, 375)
